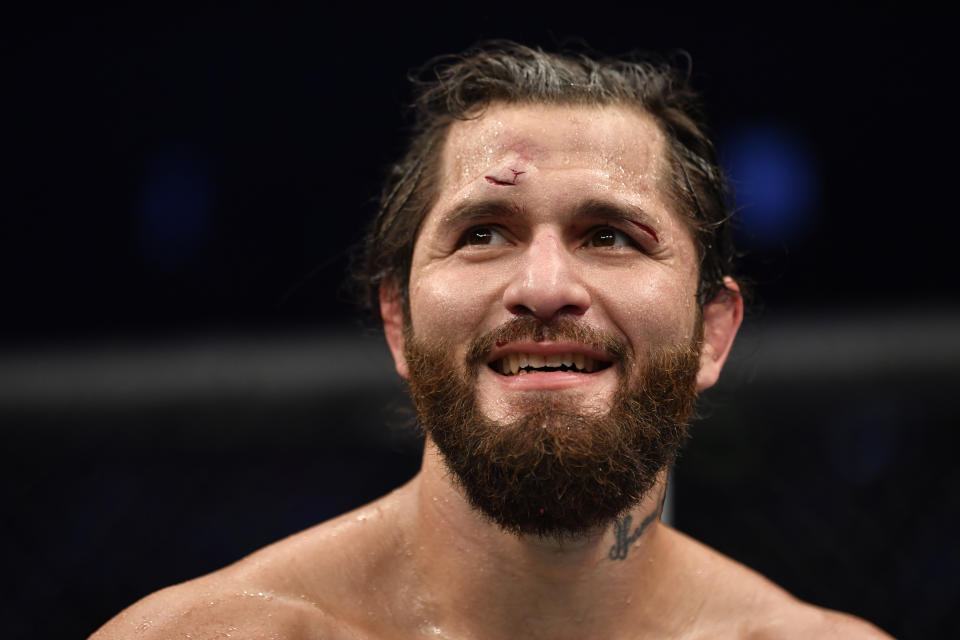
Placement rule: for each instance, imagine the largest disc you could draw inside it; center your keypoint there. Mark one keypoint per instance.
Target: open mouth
(518, 364)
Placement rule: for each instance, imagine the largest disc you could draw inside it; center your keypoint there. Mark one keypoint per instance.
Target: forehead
(623, 146)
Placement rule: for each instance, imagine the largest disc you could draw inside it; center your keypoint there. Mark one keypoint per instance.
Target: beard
(556, 470)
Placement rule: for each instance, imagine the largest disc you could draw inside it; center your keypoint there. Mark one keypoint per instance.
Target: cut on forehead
(615, 138)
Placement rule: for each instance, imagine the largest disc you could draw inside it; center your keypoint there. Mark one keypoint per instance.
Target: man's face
(551, 272)
(553, 211)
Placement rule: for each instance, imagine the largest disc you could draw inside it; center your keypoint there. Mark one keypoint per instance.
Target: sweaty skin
(585, 233)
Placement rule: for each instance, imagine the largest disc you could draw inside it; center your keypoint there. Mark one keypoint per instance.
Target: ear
(391, 312)
(721, 320)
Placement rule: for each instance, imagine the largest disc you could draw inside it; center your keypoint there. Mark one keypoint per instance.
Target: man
(552, 267)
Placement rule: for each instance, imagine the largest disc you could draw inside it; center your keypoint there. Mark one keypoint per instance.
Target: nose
(547, 281)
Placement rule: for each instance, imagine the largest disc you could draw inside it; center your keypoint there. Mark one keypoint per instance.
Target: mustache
(523, 328)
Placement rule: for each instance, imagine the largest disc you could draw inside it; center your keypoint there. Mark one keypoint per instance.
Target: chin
(554, 453)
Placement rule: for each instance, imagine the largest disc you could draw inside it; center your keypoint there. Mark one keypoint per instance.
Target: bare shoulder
(303, 587)
(797, 620)
(215, 607)
(738, 602)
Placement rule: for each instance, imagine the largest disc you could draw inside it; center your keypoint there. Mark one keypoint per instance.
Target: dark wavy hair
(459, 87)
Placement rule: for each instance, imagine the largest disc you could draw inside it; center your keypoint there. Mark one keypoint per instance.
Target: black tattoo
(623, 541)
(623, 537)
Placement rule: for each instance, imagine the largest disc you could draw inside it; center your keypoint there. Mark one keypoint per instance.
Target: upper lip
(547, 348)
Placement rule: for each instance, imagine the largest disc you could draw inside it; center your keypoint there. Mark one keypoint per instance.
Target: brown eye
(609, 237)
(482, 236)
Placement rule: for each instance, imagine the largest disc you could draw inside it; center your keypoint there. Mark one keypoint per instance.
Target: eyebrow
(480, 209)
(592, 209)
(605, 209)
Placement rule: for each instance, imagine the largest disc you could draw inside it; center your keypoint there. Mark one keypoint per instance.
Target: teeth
(518, 363)
(578, 361)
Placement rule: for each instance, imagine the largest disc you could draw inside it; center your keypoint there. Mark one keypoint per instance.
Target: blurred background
(182, 380)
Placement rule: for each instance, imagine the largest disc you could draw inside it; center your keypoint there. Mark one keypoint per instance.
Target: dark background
(182, 380)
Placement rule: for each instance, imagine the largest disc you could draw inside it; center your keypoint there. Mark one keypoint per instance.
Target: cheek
(448, 304)
(653, 311)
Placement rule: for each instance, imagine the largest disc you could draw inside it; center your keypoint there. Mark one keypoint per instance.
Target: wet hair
(459, 87)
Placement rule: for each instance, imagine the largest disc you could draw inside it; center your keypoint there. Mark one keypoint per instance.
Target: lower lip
(548, 380)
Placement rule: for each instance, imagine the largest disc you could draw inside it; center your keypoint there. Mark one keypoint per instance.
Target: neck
(527, 585)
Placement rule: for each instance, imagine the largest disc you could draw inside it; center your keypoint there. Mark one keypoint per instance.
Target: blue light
(174, 208)
(775, 184)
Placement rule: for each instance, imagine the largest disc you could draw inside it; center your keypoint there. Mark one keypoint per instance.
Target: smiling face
(553, 211)
(552, 278)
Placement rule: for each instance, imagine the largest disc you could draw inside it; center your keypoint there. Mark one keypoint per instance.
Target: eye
(482, 236)
(609, 237)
